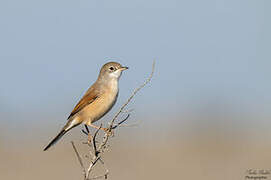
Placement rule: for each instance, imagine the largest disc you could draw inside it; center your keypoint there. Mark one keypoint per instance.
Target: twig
(87, 130)
(94, 141)
(118, 124)
(79, 159)
(91, 166)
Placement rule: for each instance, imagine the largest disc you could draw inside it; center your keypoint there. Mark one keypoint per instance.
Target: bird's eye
(111, 68)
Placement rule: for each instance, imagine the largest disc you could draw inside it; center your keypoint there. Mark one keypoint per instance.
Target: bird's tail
(69, 125)
(62, 132)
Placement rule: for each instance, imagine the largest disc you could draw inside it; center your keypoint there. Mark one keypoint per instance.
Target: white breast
(114, 86)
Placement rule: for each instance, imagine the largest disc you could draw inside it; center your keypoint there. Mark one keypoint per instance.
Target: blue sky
(211, 51)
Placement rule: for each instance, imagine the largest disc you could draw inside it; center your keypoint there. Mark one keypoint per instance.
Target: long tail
(69, 125)
(62, 132)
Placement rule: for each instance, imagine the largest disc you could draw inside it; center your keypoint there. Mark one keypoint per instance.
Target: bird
(96, 102)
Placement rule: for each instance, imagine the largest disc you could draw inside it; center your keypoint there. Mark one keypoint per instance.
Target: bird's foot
(109, 132)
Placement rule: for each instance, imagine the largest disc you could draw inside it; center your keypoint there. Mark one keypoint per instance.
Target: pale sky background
(209, 53)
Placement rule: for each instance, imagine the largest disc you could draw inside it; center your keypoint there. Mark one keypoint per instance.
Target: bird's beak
(124, 68)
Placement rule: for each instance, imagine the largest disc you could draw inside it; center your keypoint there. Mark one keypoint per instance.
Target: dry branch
(98, 149)
(79, 159)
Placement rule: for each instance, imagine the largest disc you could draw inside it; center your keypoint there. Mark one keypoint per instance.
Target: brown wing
(88, 98)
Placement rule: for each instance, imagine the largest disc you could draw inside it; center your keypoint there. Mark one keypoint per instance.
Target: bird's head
(111, 70)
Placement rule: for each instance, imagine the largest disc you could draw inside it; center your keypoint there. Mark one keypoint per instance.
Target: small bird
(96, 102)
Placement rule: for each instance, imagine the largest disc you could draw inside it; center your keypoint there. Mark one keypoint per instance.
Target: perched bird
(96, 102)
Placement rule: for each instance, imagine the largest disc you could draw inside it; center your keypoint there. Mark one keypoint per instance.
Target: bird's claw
(109, 132)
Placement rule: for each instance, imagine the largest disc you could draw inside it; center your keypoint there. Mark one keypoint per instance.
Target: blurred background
(205, 115)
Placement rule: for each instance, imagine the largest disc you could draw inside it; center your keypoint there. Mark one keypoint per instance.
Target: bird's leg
(89, 135)
(96, 127)
(106, 130)
(87, 128)
(86, 132)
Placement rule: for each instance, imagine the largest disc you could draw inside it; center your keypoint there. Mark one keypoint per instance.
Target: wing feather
(87, 99)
